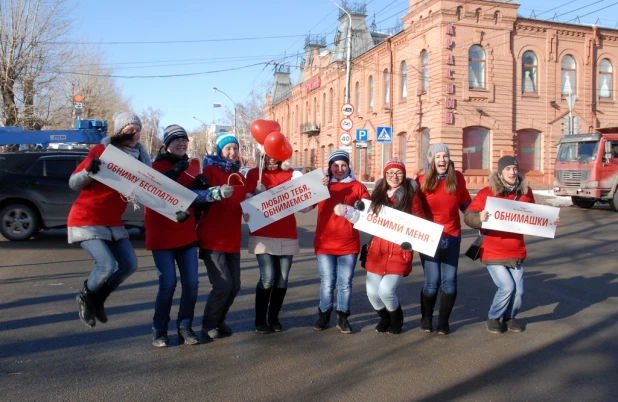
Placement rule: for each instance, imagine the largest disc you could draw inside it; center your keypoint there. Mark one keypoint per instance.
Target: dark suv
(35, 193)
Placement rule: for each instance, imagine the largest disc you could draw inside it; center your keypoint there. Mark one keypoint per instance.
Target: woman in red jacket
(175, 243)
(219, 232)
(503, 252)
(386, 262)
(274, 247)
(444, 194)
(95, 220)
(337, 243)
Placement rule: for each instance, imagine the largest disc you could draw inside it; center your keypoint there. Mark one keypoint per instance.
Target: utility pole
(348, 62)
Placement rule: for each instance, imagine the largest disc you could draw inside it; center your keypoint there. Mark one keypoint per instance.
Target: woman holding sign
(219, 232)
(274, 247)
(174, 243)
(503, 252)
(337, 243)
(444, 194)
(95, 220)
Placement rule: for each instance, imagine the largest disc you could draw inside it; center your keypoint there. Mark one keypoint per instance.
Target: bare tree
(151, 130)
(246, 113)
(29, 34)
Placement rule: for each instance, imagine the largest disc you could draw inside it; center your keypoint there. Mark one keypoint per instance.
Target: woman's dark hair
(430, 182)
(379, 196)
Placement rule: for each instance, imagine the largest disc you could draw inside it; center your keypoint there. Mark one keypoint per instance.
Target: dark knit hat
(123, 119)
(338, 155)
(224, 138)
(505, 161)
(173, 132)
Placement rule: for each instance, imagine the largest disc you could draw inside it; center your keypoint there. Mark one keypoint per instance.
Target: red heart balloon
(287, 151)
(277, 146)
(261, 128)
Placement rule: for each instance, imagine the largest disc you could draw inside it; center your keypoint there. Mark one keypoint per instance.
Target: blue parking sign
(362, 134)
(384, 134)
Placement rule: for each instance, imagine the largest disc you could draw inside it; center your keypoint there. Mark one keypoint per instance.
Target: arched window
(529, 150)
(424, 71)
(568, 74)
(323, 110)
(370, 103)
(357, 97)
(314, 119)
(331, 104)
(475, 148)
(307, 112)
(403, 142)
(476, 67)
(424, 140)
(529, 68)
(404, 80)
(387, 87)
(606, 81)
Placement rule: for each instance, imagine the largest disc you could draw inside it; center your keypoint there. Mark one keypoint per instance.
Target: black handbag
(362, 257)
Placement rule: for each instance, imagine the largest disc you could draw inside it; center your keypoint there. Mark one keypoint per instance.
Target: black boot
(396, 321)
(262, 296)
(323, 320)
(86, 301)
(427, 305)
(99, 308)
(385, 320)
(276, 301)
(342, 322)
(447, 301)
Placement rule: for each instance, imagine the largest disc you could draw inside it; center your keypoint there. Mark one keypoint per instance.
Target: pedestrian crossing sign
(384, 134)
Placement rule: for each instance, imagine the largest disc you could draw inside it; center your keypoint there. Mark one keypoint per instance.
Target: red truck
(587, 168)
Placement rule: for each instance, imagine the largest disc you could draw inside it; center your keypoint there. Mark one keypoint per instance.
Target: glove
(260, 188)
(177, 170)
(405, 246)
(201, 182)
(359, 205)
(94, 165)
(226, 191)
(182, 216)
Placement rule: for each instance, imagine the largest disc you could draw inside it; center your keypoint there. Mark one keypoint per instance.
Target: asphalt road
(569, 350)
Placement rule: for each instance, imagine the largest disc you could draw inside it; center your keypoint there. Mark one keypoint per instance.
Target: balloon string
(261, 167)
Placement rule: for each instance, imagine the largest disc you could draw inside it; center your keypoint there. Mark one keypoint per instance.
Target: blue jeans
(441, 270)
(339, 270)
(510, 283)
(274, 270)
(165, 261)
(381, 291)
(114, 261)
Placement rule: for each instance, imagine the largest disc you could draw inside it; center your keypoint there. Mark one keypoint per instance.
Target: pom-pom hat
(394, 163)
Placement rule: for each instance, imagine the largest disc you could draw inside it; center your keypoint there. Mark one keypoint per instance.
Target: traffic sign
(362, 134)
(384, 134)
(347, 148)
(361, 145)
(345, 139)
(347, 109)
(346, 124)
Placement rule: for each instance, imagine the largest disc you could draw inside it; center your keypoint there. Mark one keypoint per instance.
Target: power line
(172, 41)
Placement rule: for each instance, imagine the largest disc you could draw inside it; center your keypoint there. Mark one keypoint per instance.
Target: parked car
(35, 192)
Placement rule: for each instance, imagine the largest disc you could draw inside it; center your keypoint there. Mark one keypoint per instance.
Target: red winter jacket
(163, 233)
(333, 234)
(443, 208)
(283, 228)
(387, 258)
(220, 227)
(497, 245)
(96, 204)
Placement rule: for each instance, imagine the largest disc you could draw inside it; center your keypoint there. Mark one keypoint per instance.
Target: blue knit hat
(223, 139)
(338, 155)
(173, 132)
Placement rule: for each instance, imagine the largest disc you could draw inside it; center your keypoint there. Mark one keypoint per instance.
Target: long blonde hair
(430, 182)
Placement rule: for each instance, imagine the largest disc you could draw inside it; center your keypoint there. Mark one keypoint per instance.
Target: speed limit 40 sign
(345, 139)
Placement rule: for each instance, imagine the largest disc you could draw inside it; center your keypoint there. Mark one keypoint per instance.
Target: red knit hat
(394, 163)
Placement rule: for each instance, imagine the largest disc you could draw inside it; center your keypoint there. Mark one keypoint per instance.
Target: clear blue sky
(215, 23)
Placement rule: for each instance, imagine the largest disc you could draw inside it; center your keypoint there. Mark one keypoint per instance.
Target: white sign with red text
(134, 180)
(521, 217)
(399, 227)
(285, 199)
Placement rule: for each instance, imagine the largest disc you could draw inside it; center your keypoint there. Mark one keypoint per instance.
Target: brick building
(469, 73)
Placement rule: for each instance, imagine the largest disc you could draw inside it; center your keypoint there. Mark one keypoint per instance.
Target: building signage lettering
(313, 84)
(449, 102)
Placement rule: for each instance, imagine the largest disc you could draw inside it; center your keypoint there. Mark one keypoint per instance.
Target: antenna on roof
(532, 14)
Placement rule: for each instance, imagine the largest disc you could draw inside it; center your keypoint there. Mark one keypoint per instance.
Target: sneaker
(224, 329)
(187, 336)
(210, 333)
(262, 329)
(513, 325)
(495, 326)
(159, 339)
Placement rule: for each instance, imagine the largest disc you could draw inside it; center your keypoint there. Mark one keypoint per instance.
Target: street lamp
(348, 61)
(215, 89)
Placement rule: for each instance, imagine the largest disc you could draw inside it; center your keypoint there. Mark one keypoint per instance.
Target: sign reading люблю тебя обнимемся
(133, 179)
(285, 199)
